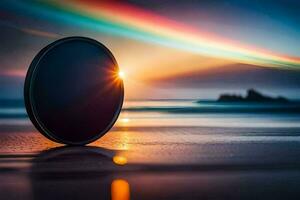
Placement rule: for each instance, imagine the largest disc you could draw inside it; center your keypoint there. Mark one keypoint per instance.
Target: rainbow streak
(128, 21)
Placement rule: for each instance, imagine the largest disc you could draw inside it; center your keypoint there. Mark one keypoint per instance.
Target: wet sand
(153, 163)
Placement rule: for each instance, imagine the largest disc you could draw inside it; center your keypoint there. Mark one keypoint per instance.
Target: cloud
(234, 76)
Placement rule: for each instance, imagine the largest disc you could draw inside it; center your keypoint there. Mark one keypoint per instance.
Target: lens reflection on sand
(78, 173)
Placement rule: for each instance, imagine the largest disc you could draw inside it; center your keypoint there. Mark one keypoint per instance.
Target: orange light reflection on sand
(120, 190)
(120, 160)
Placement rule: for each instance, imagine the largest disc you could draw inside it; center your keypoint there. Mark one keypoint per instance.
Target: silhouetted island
(252, 96)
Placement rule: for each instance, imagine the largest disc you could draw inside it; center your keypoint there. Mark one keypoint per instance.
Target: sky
(167, 49)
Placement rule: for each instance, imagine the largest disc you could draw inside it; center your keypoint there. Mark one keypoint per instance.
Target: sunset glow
(121, 74)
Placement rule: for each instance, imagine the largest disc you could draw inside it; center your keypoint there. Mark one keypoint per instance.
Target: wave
(16, 108)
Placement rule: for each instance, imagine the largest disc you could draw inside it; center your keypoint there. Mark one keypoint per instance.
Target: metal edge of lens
(27, 87)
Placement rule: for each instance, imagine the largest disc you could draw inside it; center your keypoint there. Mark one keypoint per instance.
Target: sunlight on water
(158, 103)
(154, 119)
(166, 113)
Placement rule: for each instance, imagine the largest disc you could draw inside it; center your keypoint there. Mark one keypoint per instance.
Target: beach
(158, 149)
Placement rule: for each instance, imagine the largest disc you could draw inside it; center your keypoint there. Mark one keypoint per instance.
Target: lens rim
(29, 102)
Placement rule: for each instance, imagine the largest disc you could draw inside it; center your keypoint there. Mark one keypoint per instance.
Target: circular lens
(73, 93)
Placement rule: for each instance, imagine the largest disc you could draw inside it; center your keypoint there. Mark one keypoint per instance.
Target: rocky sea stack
(252, 96)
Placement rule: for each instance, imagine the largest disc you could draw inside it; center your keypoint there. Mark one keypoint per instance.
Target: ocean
(184, 113)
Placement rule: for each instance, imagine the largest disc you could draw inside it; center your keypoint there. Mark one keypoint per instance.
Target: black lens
(73, 94)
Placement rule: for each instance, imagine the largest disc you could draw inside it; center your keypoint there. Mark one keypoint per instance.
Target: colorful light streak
(127, 21)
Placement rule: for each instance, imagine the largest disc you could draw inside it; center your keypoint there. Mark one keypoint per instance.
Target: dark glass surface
(73, 94)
